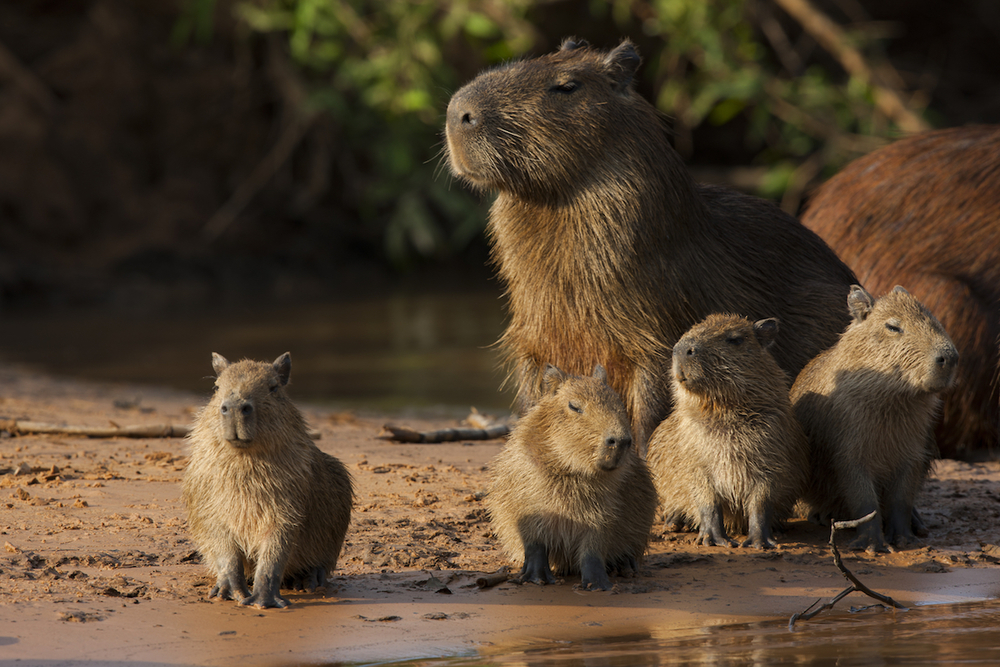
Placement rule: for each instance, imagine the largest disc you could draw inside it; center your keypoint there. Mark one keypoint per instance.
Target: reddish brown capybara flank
(923, 213)
(608, 248)
(569, 489)
(868, 406)
(731, 454)
(262, 500)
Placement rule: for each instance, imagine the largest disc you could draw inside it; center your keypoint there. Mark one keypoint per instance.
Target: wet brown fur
(608, 249)
(730, 455)
(263, 501)
(868, 406)
(923, 213)
(569, 490)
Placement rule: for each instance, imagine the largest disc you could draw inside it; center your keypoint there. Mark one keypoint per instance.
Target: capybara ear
(766, 331)
(219, 363)
(283, 365)
(572, 43)
(552, 378)
(622, 63)
(900, 289)
(600, 373)
(860, 303)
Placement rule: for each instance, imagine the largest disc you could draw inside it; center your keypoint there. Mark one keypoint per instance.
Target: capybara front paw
(226, 590)
(265, 600)
(534, 575)
(711, 539)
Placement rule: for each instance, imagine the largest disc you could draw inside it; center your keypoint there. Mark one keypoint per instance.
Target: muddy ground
(97, 566)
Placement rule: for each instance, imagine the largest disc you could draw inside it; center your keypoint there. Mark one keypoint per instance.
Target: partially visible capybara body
(262, 499)
(569, 490)
(923, 213)
(608, 249)
(731, 454)
(868, 406)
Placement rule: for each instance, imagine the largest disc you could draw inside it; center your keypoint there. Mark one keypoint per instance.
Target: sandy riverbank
(97, 567)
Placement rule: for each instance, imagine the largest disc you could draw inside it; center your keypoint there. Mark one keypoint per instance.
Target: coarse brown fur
(731, 454)
(867, 406)
(568, 489)
(923, 213)
(262, 500)
(608, 249)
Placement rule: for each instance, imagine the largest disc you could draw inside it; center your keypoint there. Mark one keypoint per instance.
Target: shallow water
(967, 634)
(389, 353)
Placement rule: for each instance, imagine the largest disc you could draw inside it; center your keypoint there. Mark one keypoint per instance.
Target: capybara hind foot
(594, 574)
(265, 597)
(307, 580)
(918, 525)
(536, 566)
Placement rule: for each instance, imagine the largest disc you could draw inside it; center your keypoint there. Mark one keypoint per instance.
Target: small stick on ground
(405, 434)
(856, 584)
(22, 427)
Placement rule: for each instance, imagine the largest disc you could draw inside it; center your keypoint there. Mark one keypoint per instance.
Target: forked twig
(856, 584)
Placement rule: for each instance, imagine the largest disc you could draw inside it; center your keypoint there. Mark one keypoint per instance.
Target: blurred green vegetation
(384, 70)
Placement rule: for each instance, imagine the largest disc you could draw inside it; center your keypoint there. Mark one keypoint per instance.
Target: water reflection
(967, 634)
(389, 353)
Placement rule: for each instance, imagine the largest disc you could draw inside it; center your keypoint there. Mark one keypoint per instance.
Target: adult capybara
(569, 488)
(923, 213)
(262, 499)
(608, 249)
(731, 454)
(868, 406)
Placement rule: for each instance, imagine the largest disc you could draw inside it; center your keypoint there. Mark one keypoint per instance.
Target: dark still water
(395, 353)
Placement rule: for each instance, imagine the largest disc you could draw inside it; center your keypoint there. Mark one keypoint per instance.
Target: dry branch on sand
(856, 584)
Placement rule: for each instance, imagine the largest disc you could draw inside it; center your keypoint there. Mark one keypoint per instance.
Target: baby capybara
(923, 213)
(867, 406)
(568, 489)
(262, 499)
(731, 453)
(608, 248)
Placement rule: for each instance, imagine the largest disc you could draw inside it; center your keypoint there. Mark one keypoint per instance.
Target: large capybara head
(902, 340)
(535, 127)
(249, 398)
(584, 421)
(724, 359)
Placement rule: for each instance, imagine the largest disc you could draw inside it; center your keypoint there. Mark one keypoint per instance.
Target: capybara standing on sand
(608, 248)
(262, 499)
(569, 489)
(731, 453)
(923, 212)
(867, 406)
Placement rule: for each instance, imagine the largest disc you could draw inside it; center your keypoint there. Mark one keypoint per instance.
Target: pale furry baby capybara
(868, 406)
(569, 490)
(262, 500)
(731, 456)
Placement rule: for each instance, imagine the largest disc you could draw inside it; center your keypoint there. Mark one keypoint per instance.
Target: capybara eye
(575, 408)
(566, 87)
(894, 328)
(735, 340)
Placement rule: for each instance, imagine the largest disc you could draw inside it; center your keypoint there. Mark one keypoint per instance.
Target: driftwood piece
(856, 584)
(494, 579)
(406, 434)
(22, 427)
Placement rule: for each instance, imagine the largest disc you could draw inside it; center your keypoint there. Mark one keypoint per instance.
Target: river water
(954, 634)
(399, 353)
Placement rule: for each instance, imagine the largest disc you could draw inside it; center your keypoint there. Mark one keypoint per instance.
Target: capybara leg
(536, 565)
(231, 583)
(759, 534)
(711, 532)
(307, 580)
(594, 573)
(869, 534)
(918, 525)
(266, 586)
